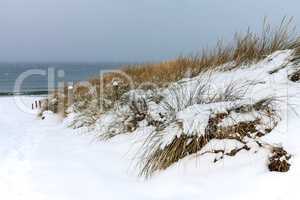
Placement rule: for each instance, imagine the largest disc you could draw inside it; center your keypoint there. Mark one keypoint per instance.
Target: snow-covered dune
(45, 159)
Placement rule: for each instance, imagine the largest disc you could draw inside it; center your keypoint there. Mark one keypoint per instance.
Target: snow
(47, 160)
(194, 119)
(107, 124)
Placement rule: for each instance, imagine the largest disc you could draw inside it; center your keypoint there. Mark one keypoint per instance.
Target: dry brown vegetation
(279, 160)
(245, 48)
(155, 157)
(295, 76)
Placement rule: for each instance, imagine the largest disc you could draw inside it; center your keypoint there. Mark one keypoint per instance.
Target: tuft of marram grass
(156, 157)
(159, 159)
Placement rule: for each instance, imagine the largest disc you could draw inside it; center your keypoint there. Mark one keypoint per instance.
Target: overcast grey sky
(126, 30)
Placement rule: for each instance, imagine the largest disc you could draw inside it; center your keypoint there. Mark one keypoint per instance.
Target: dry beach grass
(246, 49)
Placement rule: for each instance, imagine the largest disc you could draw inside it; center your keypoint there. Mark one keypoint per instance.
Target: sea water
(37, 83)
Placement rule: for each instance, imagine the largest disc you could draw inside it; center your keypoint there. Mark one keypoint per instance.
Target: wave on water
(24, 93)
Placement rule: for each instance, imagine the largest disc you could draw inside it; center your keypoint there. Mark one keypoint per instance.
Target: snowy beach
(149, 100)
(45, 159)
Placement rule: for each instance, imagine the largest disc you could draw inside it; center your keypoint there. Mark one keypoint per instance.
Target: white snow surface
(46, 160)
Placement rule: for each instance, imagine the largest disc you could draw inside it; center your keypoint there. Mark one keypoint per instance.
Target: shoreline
(30, 93)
